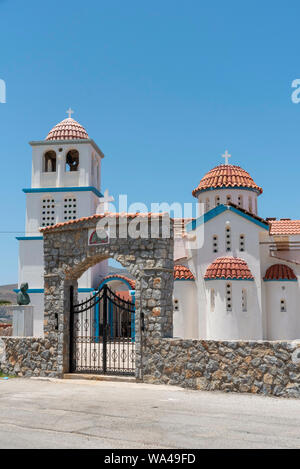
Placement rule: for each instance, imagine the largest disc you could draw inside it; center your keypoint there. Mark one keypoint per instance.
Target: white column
(60, 170)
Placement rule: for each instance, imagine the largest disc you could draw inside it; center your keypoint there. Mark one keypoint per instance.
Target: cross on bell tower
(226, 156)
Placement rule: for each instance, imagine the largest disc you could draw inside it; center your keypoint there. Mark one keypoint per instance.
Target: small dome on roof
(182, 273)
(226, 176)
(280, 272)
(228, 268)
(68, 129)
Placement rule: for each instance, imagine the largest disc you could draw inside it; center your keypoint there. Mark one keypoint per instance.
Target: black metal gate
(102, 330)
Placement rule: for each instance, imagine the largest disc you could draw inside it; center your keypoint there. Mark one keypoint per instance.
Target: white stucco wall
(210, 197)
(201, 255)
(234, 324)
(283, 325)
(185, 318)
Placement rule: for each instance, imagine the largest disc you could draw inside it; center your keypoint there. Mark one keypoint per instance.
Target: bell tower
(65, 185)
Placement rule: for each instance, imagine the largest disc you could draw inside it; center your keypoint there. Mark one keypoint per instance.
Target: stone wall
(269, 368)
(28, 356)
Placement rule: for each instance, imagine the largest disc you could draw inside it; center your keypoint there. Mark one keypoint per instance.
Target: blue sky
(163, 87)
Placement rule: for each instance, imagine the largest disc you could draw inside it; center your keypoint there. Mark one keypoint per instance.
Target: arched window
(228, 238)
(228, 297)
(283, 305)
(72, 160)
(250, 204)
(48, 212)
(207, 205)
(240, 201)
(217, 200)
(212, 300)
(242, 242)
(70, 208)
(215, 243)
(49, 162)
(244, 300)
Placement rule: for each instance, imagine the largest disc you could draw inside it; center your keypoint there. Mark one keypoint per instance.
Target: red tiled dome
(279, 272)
(228, 268)
(182, 273)
(68, 129)
(226, 175)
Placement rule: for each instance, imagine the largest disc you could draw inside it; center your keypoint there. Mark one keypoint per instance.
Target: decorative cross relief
(103, 206)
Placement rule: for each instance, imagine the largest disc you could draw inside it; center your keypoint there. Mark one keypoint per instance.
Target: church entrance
(102, 334)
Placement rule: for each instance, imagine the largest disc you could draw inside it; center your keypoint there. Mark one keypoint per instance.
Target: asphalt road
(92, 414)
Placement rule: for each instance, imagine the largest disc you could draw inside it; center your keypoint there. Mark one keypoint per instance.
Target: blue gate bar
(132, 293)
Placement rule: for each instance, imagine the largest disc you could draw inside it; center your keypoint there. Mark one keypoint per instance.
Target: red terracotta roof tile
(279, 272)
(121, 277)
(182, 273)
(284, 227)
(226, 176)
(228, 268)
(68, 129)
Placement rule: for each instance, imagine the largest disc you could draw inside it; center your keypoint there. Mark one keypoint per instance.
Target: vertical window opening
(72, 160)
(228, 297)
(50, 162)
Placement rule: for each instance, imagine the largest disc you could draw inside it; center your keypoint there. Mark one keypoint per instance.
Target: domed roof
(182, 273)
(68, 129)
(228, 268)
(226, 175)
(279, 272)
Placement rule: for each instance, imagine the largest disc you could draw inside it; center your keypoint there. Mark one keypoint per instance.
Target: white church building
(236, 275)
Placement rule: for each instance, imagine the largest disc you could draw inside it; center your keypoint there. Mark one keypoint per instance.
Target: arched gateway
(142, 243)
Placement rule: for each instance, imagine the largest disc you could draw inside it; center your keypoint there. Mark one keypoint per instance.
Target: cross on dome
(226, 156)
(70, 112)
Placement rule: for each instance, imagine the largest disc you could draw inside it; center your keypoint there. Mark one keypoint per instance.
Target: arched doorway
(71, 248)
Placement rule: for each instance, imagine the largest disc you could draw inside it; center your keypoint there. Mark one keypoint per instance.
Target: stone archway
(68, 254)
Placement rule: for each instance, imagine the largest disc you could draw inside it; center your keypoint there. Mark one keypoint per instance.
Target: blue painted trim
(281, 280)
(63, 189)
(86, 290)
(214, 212)
(184, 280)
(114, 278)
(217, 211)
(29, 238)
(229, 279)
(243, 188)
(248, 217)
(132, 293)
